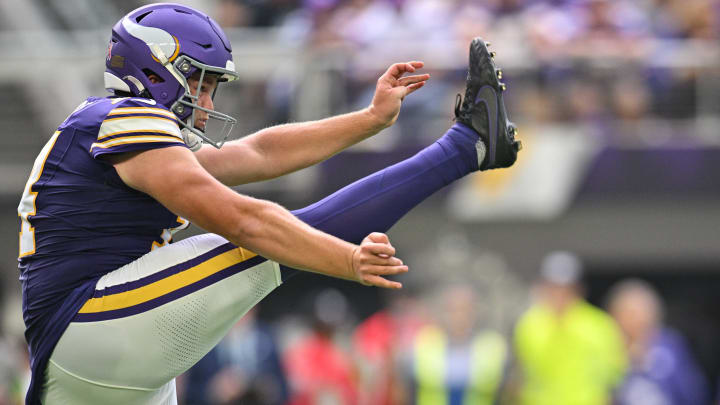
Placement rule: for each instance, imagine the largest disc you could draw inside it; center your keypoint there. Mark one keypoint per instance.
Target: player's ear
(154, 78)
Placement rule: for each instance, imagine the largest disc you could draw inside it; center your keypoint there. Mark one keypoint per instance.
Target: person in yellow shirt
(567, 351)
(457, 360)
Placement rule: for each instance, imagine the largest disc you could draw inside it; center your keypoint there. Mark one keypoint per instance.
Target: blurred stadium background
(618, 105)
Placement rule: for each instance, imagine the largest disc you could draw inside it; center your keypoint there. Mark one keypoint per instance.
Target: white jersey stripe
(152, 131)
(151, 117)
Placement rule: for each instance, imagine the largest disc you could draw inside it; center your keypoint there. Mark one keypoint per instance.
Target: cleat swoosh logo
(488, 96)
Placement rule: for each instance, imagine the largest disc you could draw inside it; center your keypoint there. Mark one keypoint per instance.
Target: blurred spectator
(613, 28)
(550, 28)
(428, 19)
(380, 344)
(244, 368)
(14, 370)
(662, 368)
(363, 22)
(320, 372)
(507, 7)
(232, 14)
(585, 101)
(568, 352)
(631, 99)
(254, 13)
(685, 18)
(471, 20)
(455, 361)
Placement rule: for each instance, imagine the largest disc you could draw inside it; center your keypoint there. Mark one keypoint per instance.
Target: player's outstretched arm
(186, 189)
(283, 149)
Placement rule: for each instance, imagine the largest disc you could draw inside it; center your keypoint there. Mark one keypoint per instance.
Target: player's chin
(200, 124)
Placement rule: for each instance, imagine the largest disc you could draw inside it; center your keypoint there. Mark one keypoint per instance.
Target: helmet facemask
(183, 65)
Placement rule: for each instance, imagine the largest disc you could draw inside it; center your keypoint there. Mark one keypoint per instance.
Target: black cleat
(484, 109)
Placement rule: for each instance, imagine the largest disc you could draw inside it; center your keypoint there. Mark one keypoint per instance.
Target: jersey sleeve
(136, 124)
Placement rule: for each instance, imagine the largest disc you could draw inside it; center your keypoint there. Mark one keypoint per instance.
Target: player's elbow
(252, 224)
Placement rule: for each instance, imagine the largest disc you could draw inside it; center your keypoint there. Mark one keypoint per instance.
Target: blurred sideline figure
(245, 367)
(567, 351)
(319, 370)
(454, 361)
(662, 368)
(113, 310)
(14, 371)
(381, 343)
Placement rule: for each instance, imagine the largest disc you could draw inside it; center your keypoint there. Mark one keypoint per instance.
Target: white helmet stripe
(160, 42)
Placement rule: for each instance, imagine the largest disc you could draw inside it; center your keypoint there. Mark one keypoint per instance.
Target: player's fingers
(403, 91)
(410, 66)
(411, 88)
(378, 237)
(378, 281)
(408, 80)
(387, 270)
(396, 70)
(379, 260)
(370, 272)
(378, 248)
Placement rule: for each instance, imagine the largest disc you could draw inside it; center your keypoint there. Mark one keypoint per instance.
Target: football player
(113, 311)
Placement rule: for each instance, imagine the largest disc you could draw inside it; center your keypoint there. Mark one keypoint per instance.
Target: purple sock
(375, 203)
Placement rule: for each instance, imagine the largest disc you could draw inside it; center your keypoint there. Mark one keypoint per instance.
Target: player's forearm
(291, 147)
(271, 231)
(279, 150)
(268, 230)
(282, 149)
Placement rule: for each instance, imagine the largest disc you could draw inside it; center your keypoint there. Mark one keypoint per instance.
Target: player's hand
(374, 259)
(392, 88)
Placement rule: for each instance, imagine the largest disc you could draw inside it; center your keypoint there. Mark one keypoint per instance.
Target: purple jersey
(79, 221)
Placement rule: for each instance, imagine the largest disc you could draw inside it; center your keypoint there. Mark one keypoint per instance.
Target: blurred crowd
(606, 63)
(548, 22)
(440, 347)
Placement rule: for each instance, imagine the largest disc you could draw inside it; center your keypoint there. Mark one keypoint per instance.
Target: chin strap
(192, 141)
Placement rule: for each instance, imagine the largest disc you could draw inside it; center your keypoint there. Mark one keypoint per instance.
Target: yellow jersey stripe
(150, 117)
(136, 139)
(167, 285)
(141, 110)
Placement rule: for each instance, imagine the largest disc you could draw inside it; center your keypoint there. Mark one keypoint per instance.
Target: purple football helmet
(173, 42)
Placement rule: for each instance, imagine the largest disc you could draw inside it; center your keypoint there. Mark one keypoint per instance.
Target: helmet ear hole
(154, 77)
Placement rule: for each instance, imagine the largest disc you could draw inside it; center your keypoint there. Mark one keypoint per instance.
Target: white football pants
(152, 319)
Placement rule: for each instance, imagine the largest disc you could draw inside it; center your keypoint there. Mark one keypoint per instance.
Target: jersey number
(167, 234)
(27, 207)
